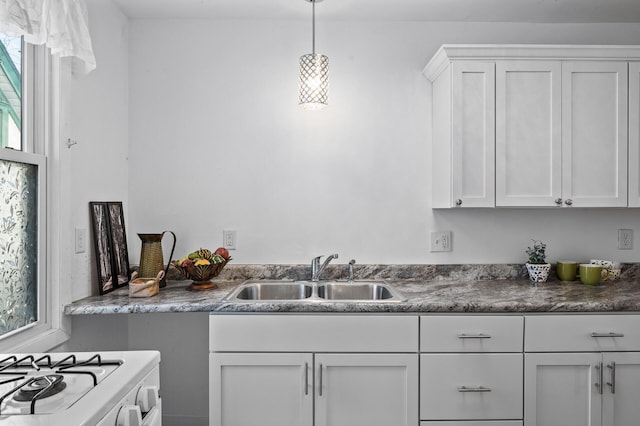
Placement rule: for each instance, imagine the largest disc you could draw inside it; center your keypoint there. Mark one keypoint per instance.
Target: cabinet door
(622, 387)
(473, 134)
(562, 389)
(528, 133)
(634, 134)
(594, 134)
(260, 389)
(366, 389)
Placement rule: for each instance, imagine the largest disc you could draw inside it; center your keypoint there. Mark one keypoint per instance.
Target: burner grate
(42, 386)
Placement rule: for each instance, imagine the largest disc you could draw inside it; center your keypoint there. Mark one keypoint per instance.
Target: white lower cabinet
(621, 389)
(471, 370)
(426, 370)
(264, 389)
(582, 389)
(333, 371)
(470, 386)
(271, 389)
(366, 389)
(560, 389)
(478, 423)
(596, 387)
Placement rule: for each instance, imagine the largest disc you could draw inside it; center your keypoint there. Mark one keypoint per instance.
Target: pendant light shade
(314, 81)
(314, 73)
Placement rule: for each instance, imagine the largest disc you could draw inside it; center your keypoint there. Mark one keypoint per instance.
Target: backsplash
(390, 272)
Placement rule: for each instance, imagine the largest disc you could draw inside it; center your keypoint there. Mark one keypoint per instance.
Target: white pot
(538, 272)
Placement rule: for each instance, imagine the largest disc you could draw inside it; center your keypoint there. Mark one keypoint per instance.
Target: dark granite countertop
(425, 288)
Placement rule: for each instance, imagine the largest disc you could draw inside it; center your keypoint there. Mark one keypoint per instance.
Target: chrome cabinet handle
(458, 202)
(569, 202)
(473, 389)
(306, 378)
(473, 336)
(612, 383)
(598, 384)
(320, 382)
(609, 334)
(559, 201)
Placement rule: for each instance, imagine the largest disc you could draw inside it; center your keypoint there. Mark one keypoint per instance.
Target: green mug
(567, 270)
(590, 274)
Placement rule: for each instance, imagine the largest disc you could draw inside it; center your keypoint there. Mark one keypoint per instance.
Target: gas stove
(105, 388)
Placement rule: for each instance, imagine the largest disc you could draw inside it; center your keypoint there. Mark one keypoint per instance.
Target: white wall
(96, 116)
(218, 141)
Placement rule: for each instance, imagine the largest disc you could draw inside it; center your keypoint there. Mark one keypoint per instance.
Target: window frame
(40, 146)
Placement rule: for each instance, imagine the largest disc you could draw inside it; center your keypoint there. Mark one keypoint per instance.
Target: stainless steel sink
(271, 290)
(313, 292)
(357, 291)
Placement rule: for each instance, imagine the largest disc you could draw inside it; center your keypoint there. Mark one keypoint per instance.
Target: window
(10, 92)
(24, 300)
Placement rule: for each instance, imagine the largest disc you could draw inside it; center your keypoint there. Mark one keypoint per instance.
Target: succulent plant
(537, 253)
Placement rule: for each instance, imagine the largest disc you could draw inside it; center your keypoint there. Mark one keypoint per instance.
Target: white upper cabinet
(594, 133)
(472, 127)
(535, 126)
(634, 134)
(465, 116)
(528, 133)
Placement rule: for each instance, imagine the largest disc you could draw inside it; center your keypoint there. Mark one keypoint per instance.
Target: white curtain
(62, 25)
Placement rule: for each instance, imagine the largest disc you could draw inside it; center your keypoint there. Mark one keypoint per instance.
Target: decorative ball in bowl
(201, 266)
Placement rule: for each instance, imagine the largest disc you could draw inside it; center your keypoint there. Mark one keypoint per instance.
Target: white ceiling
(392, 10)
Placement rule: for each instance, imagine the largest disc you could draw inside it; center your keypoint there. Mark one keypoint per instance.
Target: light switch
(81, 240)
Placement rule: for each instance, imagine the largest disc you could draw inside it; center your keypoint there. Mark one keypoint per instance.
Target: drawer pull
(473, 336)
(612, 383)
(306, 378)
(609, 334)
(473, 389)
(598, 384)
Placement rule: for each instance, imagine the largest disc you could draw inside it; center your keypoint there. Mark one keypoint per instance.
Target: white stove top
(87, 392)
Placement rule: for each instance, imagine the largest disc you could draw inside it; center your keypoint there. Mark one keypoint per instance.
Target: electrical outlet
(81, 240)
(229, 239)
(441, 241)
(625, 239)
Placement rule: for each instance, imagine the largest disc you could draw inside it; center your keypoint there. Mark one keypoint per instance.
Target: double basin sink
(314, 291)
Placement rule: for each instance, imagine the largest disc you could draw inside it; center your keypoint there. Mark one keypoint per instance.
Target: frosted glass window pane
(18, 245)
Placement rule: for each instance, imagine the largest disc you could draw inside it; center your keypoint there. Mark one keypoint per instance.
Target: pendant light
(314, 72)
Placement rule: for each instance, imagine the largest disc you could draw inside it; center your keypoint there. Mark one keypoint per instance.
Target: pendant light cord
(313, 27)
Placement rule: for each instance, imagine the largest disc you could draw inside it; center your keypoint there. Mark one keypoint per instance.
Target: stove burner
(26, 373)
(49, 385)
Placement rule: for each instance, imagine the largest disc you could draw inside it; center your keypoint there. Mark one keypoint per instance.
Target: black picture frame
(110, 244)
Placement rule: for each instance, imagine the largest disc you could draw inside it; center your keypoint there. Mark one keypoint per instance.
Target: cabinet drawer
(313, 333)
(582, 333)
(471, 423)
(471, 333)
(471, 386)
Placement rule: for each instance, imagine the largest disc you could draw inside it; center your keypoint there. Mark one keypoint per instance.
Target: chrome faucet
(351, 263)
(317, 269)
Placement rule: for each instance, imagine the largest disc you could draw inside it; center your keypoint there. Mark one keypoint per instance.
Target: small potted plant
(537, 265)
